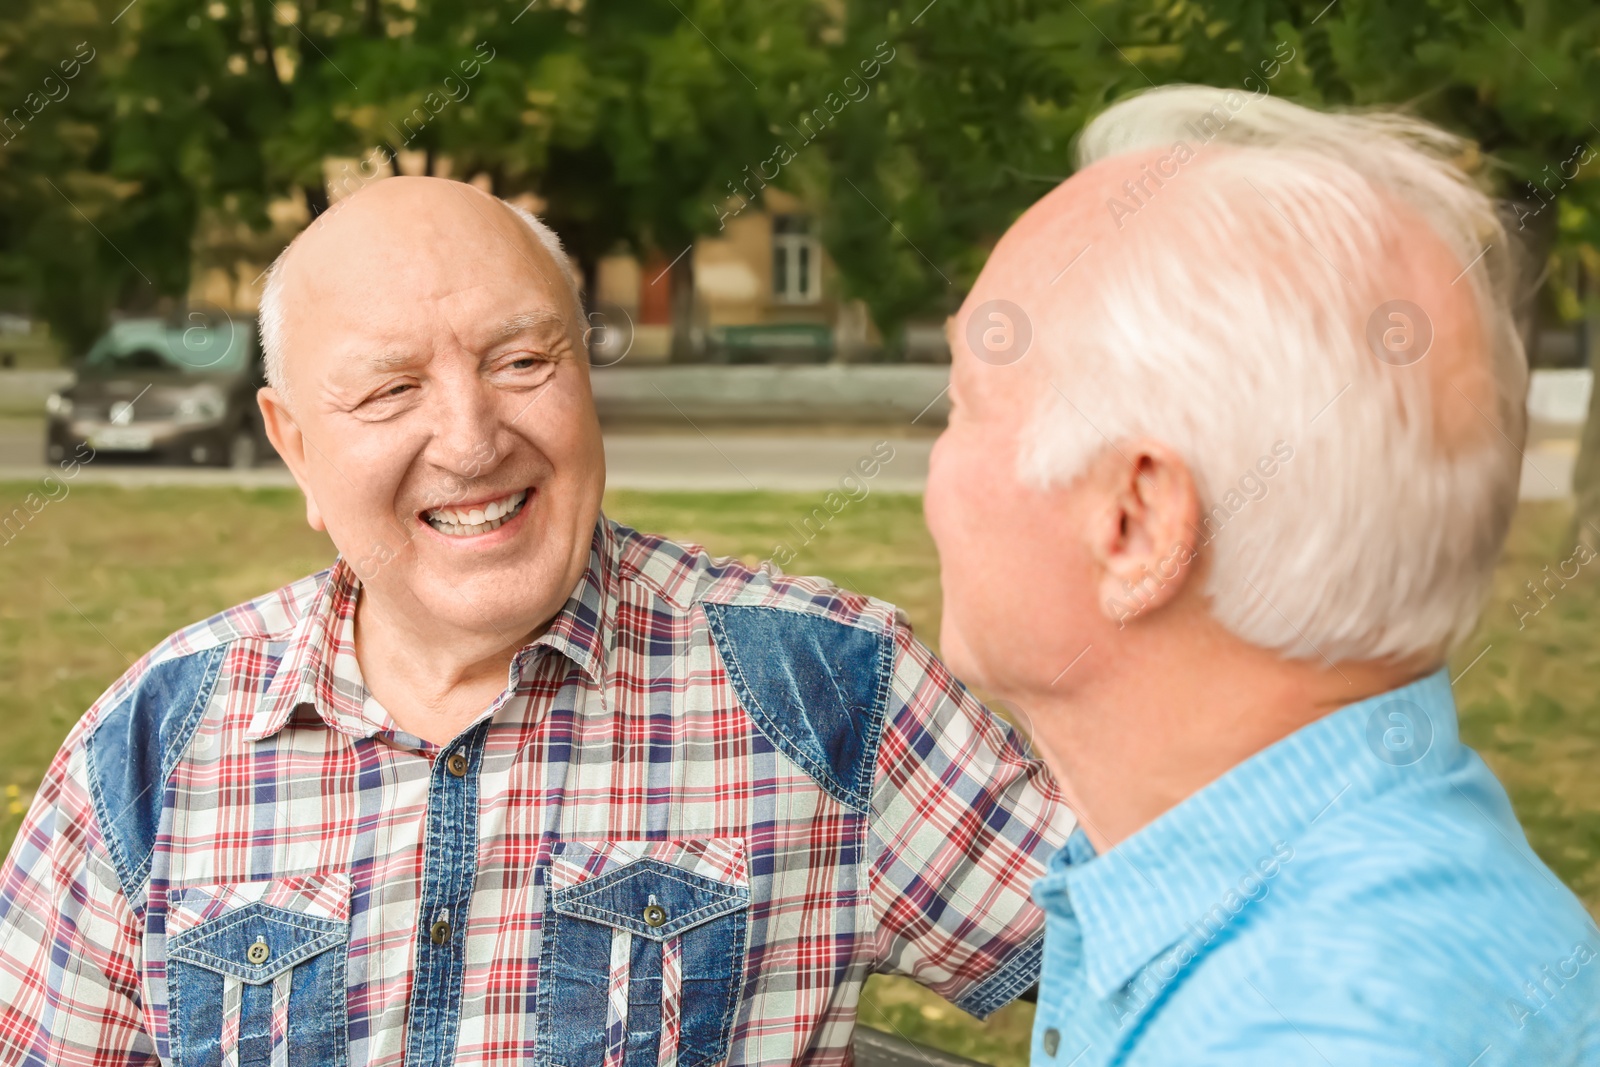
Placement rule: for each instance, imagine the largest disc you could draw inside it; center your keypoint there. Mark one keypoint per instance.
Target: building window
(796, 261)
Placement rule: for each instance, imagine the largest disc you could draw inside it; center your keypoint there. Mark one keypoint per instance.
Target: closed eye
(386, 401)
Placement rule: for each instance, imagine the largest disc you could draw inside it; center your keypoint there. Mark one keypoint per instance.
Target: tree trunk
(1586, 475)
(316, 195)
(1535, 236)
(683, 339)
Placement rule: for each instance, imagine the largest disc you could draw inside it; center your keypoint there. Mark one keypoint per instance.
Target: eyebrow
(390, 360)
(521, 323)
(393, 360)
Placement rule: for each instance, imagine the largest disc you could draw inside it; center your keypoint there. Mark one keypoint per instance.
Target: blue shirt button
(1052, 1041)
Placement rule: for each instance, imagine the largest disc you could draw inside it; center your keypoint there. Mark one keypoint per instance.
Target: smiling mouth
(478, 519)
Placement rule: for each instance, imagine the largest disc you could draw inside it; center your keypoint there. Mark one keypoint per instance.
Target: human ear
(289, 440)
(1143, 536)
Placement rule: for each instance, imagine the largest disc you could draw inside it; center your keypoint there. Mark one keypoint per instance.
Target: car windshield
(158, 346)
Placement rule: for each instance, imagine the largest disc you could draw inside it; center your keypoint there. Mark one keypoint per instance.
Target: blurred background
(774, 207)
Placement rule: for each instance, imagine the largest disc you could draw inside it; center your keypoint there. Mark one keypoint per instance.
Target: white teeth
(469, 522)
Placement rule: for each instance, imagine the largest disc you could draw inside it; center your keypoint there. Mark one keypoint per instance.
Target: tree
(975, 119)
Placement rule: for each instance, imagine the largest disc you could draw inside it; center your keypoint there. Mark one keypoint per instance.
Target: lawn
(101, 575)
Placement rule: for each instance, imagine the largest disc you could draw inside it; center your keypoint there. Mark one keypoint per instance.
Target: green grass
(100, 576)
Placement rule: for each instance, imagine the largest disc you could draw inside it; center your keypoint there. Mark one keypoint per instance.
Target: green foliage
(978, 116)
(641, 122)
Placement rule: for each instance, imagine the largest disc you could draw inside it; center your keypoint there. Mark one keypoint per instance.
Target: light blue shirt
(1358, 893)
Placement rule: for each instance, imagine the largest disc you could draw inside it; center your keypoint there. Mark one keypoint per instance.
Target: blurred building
(764, 288)
(764, 291)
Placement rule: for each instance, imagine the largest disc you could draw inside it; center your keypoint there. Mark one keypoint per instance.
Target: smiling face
(439, 416)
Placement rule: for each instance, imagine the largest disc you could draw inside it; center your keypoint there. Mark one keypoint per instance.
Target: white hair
(1241, 321)
(270, 312)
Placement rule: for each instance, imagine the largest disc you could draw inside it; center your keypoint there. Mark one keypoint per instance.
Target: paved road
(719, 460)
(790, 459)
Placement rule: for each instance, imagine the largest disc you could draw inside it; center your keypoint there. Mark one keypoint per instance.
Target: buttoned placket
(450, 869)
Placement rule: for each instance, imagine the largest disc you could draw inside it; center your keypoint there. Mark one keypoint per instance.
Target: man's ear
(1143, 536)
(287, 437)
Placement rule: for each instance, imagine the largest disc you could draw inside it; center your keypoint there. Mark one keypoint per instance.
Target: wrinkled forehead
(416, 266)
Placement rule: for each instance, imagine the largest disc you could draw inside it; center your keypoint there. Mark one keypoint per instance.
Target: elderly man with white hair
(1233, 450)
(510, 782)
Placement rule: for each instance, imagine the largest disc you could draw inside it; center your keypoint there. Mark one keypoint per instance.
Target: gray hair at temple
(1382, 543)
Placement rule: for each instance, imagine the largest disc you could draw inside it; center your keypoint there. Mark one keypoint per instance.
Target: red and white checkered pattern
(620, 730)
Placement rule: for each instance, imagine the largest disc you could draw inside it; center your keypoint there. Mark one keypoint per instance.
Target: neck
(1137, 738)
(433, 683)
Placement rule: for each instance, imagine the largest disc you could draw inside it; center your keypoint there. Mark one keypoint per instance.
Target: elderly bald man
(1232, 456)
(510, 782)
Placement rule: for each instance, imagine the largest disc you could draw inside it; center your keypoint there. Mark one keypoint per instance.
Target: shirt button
(456, 765)
(1052, 1041)
(655, 916)
(439, 932)
(258, 952)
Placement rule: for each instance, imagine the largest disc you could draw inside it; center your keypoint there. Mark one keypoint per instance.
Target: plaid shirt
(237, 857)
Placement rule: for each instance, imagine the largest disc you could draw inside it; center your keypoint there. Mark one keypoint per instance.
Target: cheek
(947, 501)
(1014, 610)
(969, 502)
(360, 460)
(560, 421)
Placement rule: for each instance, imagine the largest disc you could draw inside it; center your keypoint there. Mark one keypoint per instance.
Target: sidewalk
(789, 460)
(792, 460)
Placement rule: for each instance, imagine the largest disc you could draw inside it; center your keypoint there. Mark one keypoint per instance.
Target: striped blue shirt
(1359, 892)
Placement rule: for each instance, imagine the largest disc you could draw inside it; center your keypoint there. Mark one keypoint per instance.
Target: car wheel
(242, 451)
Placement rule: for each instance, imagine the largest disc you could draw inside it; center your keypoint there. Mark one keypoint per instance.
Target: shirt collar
(319, 667)
(1148, 892)
(584, 630)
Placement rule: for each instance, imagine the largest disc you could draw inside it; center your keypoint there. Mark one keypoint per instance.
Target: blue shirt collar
(1151, 890)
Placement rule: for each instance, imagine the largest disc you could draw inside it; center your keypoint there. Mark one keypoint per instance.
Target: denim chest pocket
(256, 972)
(643, 953)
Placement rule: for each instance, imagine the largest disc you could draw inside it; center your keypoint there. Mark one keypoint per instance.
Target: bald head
(407, 217)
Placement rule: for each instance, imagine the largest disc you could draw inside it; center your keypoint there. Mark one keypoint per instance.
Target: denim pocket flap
(651, 898)
(256, 931)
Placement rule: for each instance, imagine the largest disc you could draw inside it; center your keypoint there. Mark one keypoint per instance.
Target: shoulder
(188, 659)
(134, 734)
(686, 577)
(1423, 922)
(811, 664)
(1446, 858)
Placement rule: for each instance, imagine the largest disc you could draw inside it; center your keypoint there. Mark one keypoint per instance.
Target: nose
(466, 427)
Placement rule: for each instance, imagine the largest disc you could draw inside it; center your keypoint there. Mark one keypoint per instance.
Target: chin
(958, 655)
(509, 602)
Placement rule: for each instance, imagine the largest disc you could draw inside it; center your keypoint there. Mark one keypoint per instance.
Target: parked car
(180, 392)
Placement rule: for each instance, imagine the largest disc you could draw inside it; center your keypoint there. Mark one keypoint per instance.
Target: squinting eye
(397, 390)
